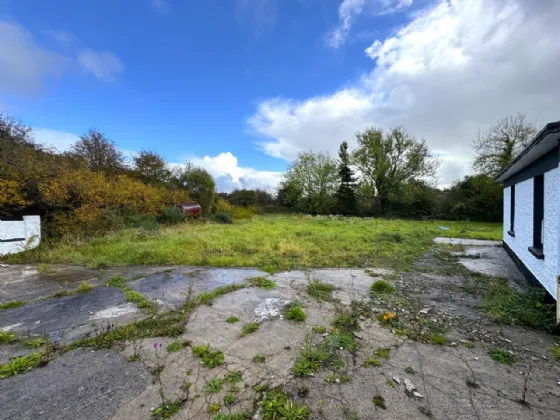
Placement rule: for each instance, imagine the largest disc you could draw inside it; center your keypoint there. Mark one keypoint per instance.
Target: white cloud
(349, 10)
(455, 68)
(229, 175)
(103, 65)
(60, 140)
(24, 65)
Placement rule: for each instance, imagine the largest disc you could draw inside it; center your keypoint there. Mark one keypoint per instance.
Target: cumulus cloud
(455, 68)
(60, 140)
(349, 10)
(25, 65)
(103, 65)
(229, 175)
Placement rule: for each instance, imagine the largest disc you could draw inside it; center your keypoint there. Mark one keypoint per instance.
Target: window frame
(538, 217)
(511, 231)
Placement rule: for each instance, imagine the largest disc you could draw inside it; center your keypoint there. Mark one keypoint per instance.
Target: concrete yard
(414, 379)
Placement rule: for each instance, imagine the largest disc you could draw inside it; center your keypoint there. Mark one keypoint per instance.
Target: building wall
(29, 229)
(548, 269)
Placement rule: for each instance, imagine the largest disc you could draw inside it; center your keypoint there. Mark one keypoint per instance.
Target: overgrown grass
(527, 308)
(177, 346)
(280, 241)
(382, 287)
(11, 305)
(7, 337)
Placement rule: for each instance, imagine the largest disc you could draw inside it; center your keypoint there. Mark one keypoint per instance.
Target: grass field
(270, 242)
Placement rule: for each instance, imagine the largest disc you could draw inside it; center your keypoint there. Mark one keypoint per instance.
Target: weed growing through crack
(12, 305)
(22, 364)
(214, 408)
(554, 351)
(84, 287)
(276, 405)
(437, 339)
(337, 379)
(383, 353)
(6, 337)
(262, 282)
(208, 298)
(382, 287)
(319, 330)
(258, 359)
(371, 361)
(379, 401)
(133, 357)
(177, 346)
(249, 328)
(232, 320)
(214, 385)
(313, 357)
(295, 312)
(502, 356)
(166, 409)
(139, 300)
(35, 342)
(234, 377)
(210, 358)
(115, 281)
(468, 345)
(345, 321)
(229, 399)
(410, 370)
(320, 290)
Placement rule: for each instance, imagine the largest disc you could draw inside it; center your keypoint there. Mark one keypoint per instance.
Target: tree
(388, 160)
(496, 148)
(99, 153)
(314, 177)
(345, 195)
(152, 168)
(199, 184)
(476, 197)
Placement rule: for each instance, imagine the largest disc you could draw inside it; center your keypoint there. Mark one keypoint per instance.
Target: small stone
(324, 335)
(397, 380)
(476, 358)
(510, 352)
(505, 339)
(534, 358)
(362, 318)
(545, 358)
(424, 311)
(341, 348)
(358, 335)
(409, 386)
(337, 380)
(558, 383)
(453, 344)
(417, 394)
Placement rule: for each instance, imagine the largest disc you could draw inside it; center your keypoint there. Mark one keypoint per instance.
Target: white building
(19, 235)
(532, 210)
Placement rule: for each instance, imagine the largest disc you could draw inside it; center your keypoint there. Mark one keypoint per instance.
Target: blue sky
(240, 86)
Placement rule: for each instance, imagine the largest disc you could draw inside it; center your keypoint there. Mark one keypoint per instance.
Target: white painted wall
(29, 228)
(548, 269)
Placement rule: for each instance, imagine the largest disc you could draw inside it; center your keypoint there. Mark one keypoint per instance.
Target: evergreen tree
(346, 202)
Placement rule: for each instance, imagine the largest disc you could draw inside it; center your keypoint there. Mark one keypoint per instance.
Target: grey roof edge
(550, 128)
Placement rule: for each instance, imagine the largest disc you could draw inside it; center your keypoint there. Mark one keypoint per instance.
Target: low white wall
(548, 269)
(29, 229)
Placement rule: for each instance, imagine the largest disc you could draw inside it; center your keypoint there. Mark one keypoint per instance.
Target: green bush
(171, 216)
(223, 217)
(239, 212)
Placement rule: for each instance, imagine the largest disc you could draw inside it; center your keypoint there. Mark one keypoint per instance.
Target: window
(512, 211)
(538, 217)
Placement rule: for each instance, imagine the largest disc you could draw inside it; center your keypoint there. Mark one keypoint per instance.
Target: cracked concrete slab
(451, 380)
(466, 242)
(81, 384)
